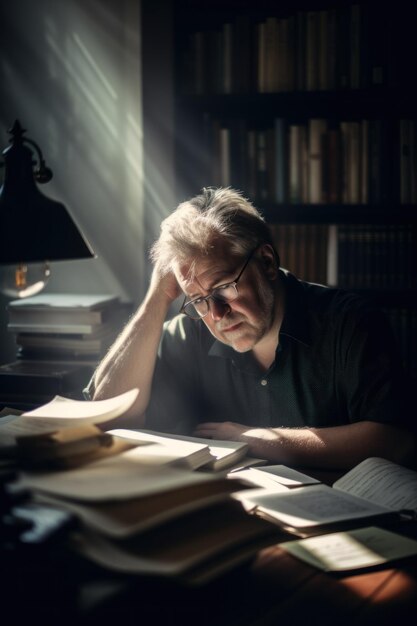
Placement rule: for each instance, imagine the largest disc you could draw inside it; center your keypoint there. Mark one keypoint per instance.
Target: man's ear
(269, 261)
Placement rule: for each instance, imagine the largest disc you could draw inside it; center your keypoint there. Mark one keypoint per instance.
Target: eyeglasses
(199, 307)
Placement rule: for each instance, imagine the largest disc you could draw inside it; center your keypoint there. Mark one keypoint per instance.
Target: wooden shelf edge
(337, 213)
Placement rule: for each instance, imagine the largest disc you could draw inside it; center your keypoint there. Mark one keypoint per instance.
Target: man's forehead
(208, 269)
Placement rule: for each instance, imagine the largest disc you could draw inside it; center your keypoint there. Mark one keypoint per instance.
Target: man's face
(245, 321)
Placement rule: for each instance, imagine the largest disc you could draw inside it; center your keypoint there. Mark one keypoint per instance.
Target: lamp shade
(33, 228)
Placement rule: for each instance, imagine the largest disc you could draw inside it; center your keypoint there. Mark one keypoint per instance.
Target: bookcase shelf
(381, 103)
(356, 228)
(338, 213)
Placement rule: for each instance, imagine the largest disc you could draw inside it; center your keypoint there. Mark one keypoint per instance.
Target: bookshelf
(309, 108)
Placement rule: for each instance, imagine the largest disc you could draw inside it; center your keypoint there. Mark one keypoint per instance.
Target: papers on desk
(64, 413)
(144, 509)
(275, 477)
(375, 487)
(154, 520)
(354, 549)
(223, 454)
(195, 547)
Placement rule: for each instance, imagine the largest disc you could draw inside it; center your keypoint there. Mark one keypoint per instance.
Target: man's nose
(218, 309)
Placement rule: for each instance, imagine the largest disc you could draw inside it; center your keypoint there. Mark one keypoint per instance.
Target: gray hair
(192, 230)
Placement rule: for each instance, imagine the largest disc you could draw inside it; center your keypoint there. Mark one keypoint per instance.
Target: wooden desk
(274, 589)
(52, 585)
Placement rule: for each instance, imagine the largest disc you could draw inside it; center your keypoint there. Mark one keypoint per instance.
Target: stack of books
(65, 325)
(60, 339)
(145, 504)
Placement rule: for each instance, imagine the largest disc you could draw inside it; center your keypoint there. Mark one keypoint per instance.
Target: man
(305, 374)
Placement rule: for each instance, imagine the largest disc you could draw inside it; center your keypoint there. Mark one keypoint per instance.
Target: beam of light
(84, 88)
(99, 74)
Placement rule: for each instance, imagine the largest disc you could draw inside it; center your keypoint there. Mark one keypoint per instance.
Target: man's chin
(240, 344)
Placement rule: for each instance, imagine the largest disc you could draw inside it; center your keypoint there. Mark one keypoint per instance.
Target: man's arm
(130, 362)
(337, 447)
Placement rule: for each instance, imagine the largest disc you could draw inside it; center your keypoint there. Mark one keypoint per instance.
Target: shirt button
(264, 382)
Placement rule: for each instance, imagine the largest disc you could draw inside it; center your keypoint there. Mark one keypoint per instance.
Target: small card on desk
(354, 549)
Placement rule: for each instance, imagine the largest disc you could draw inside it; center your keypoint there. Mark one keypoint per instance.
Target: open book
(222, 454)
(374, 488)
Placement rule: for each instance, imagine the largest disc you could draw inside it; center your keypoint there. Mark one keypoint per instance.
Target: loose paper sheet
(276, 477)
(64, 412)
(114, 478)
(365, 547)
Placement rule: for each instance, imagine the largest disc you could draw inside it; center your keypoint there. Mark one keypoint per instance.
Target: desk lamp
(34, 229)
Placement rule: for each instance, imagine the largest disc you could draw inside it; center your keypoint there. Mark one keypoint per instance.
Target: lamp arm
(42, 174)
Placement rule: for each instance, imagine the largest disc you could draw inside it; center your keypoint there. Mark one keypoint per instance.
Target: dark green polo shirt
(336, 363)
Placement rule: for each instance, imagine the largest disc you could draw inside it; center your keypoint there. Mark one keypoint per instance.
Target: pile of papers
(167, 505)
(145, 503)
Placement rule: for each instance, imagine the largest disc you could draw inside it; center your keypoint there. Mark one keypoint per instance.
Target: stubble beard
(261, 327)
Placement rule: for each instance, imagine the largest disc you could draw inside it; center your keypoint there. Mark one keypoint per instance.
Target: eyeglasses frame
(211, 297)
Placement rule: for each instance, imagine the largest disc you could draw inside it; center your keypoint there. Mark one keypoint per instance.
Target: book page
(284, 475)
(160, 450)
(382, 482)
(114, 478)
(364, 547)
(63, 413)
(257, 479)
(222, 525)
(124, 518)
(308, 506)
(224, 453)
(91, 412)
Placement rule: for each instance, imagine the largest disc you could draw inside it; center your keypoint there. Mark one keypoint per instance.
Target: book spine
(316, 130)
(227, 49)
(281, 163)
(262, 170)
(312, 61)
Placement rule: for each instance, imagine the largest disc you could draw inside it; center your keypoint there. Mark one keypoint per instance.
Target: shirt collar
(296, 317)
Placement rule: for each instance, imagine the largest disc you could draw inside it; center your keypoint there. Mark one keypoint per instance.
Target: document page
(223, 453)
(63, 413)
(116, 478)
(308, 506)
(382, 482)
(355, 549)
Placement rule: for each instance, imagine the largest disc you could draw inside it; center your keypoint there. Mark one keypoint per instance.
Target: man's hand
(228, 431)
(166, 283)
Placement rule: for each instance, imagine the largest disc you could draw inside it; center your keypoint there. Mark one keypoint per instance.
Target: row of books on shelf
(303, 250)
(408, 161)
(357, 256)
(338, 48)
(314, 162)
(376, 255)
(190, 509)
(365, 257)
